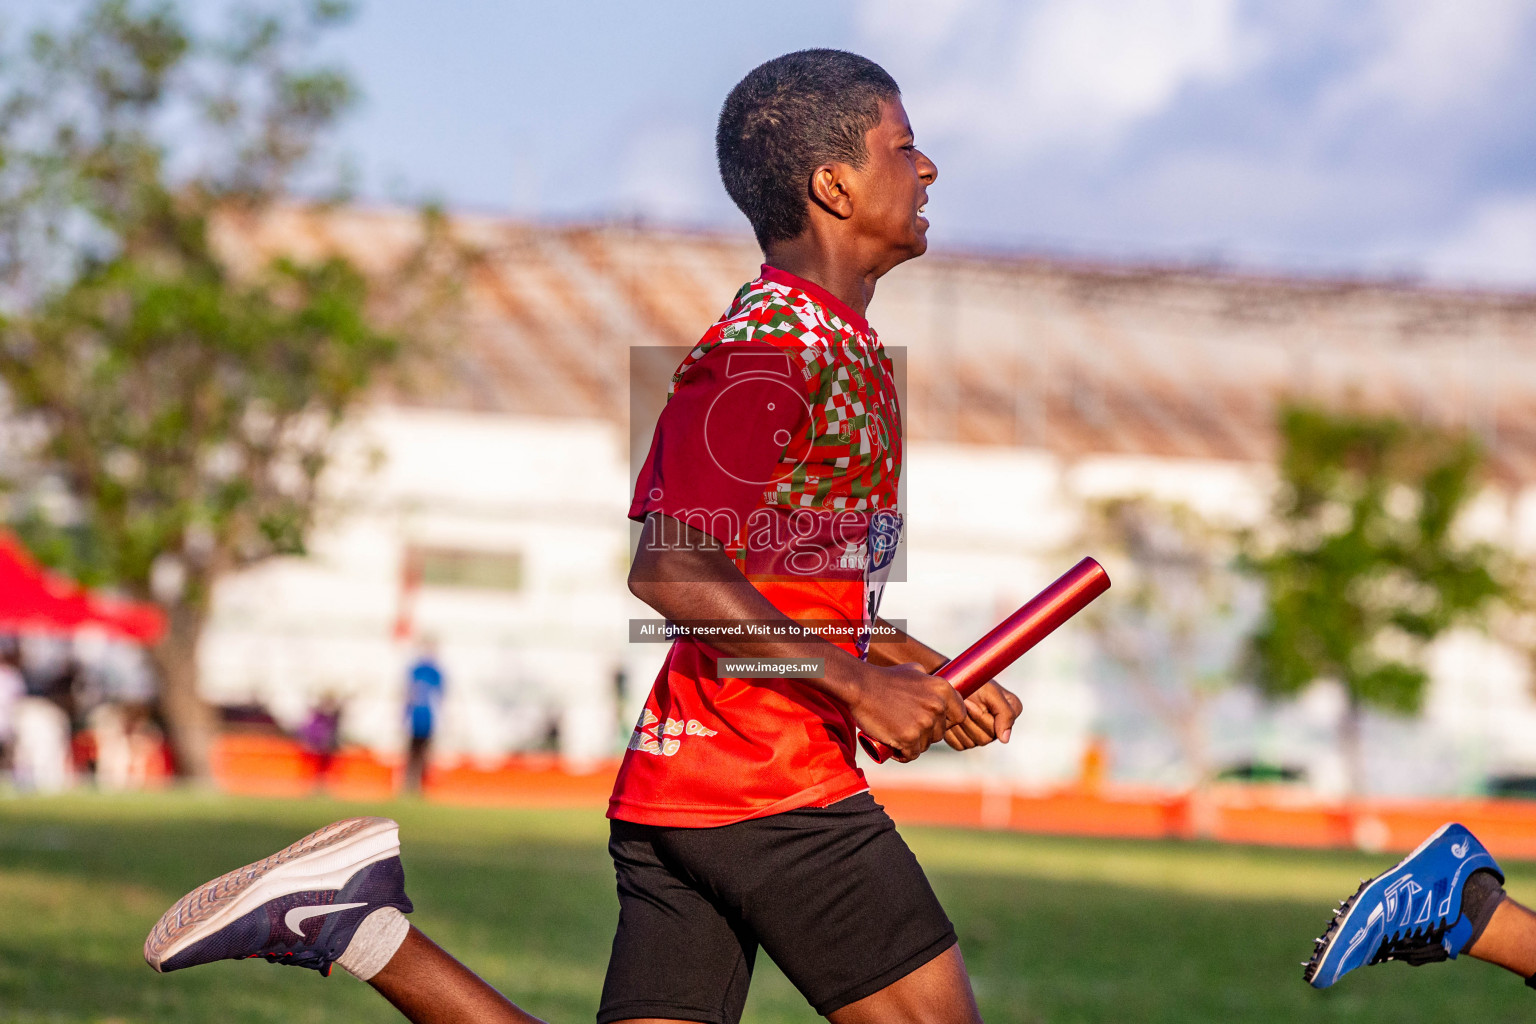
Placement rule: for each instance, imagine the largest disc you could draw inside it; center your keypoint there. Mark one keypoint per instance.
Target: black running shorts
(831, 893)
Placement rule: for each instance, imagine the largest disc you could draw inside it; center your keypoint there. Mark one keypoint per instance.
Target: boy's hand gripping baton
(969, 670)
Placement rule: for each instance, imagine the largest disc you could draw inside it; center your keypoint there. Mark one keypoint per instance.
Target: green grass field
(1054, 930)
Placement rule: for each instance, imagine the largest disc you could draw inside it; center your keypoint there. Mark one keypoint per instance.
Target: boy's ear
(829, 190)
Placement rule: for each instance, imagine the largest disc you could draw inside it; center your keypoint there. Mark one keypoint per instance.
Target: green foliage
(182, 408)
(174, 395)
(189, 414)
(1365, 568)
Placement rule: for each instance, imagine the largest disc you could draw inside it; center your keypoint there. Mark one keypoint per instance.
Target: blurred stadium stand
(1032, 385)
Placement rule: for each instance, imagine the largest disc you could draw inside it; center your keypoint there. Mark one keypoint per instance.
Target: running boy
(769, 501)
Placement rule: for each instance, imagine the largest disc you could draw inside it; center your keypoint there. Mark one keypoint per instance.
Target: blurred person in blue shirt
(423, 698)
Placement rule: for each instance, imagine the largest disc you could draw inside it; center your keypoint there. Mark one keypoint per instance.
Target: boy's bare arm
(690, 578)
(990, 711)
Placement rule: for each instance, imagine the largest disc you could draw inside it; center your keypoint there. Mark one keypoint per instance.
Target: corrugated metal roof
(1076, 357)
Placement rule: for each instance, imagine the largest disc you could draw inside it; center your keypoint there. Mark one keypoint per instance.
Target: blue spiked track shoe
(1411, 913)
(300, 906)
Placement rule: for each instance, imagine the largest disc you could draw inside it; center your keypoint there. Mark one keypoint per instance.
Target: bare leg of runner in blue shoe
(1444, 899)
(1509, 940)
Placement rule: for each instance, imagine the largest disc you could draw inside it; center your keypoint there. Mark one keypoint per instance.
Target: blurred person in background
(126, 745)
(423, 699)
(146, 741)
(58, 684)
(41, 758)
(86, 692)
(137, 752)
(107, 726)
(321, 737)
(13, 687)
(110, 697)
(68, 684)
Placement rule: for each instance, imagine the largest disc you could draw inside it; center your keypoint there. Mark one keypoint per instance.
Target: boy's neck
(839, 272)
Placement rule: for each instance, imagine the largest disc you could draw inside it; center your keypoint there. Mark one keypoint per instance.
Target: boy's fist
(906, 708)
(990, 714)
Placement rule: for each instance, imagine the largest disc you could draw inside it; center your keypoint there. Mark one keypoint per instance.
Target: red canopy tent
(34, 600)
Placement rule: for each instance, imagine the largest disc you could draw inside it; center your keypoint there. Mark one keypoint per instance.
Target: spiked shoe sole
(1323, 944)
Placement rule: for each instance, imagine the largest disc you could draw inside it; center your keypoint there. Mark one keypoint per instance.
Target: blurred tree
(1364, 567)
(178, 411)
(1175, 621)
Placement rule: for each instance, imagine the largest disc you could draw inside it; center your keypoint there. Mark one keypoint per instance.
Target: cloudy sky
(1366, 136)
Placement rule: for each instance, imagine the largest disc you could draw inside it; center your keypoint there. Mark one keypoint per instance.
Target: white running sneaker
(300, 906)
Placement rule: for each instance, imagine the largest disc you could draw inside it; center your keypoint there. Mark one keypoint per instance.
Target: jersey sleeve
(720, 439)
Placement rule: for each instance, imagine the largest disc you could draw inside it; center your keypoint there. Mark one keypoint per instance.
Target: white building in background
(494, 520)
(502, 538)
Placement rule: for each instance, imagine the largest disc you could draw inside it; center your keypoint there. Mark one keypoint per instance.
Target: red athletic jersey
(781, 438)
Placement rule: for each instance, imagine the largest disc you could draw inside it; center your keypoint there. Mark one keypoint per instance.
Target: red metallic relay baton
(969, 670)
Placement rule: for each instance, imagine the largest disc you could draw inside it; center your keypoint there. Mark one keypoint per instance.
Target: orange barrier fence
(1233, 815)
(274, 766)
(259, 765)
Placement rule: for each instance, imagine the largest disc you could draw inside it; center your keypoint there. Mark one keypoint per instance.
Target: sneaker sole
(1323, 945)
(324, 859)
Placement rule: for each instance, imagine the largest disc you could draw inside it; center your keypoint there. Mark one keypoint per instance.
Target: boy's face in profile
(892, 187)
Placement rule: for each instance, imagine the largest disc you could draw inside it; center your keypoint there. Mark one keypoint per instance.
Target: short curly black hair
(786, 118)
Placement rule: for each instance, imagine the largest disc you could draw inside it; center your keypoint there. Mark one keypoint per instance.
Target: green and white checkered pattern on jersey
(849, 455)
